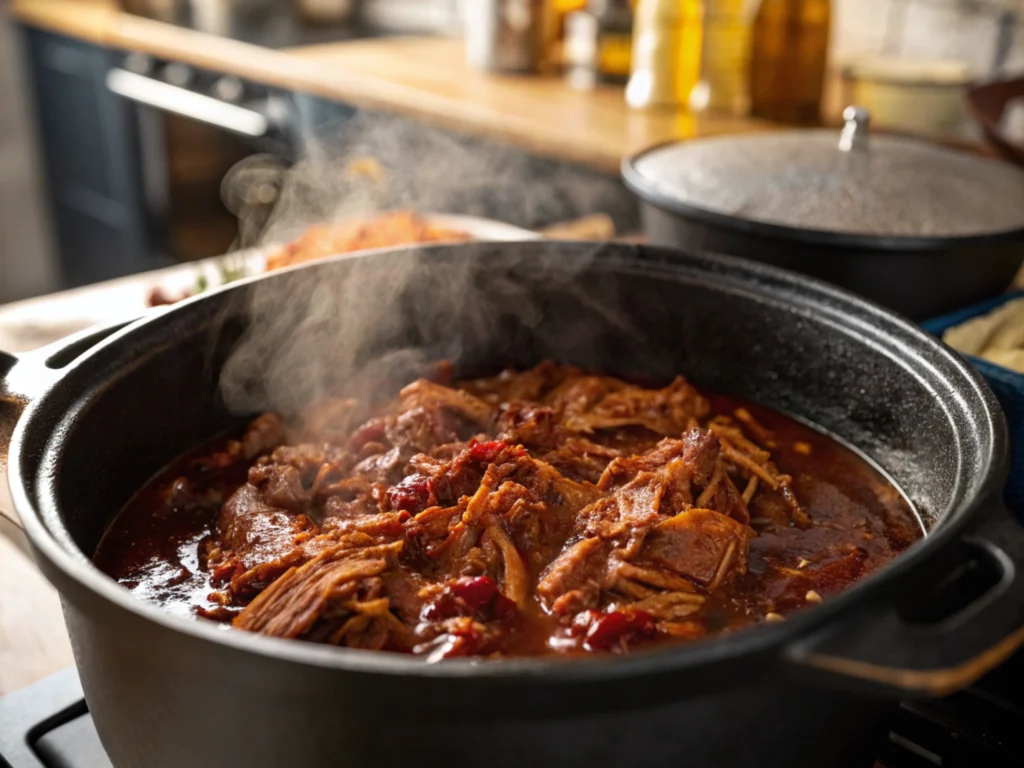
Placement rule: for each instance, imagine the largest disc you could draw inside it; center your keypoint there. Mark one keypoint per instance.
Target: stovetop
(48, 725)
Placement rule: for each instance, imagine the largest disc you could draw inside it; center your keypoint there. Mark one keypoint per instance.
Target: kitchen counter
(424, 78)
(33, 641)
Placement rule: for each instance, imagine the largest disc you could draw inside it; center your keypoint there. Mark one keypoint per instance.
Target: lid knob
(855, 130)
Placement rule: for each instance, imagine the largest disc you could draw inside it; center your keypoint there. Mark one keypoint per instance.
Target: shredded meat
(264, 434)
(590, 403)
(575, 580)
(699, 544)
(256, 530)
(327, 588)
(536, 512)
(616, 527)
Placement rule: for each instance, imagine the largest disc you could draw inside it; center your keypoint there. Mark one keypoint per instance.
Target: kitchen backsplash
(972, 31)
(431, 16)
(988, 35)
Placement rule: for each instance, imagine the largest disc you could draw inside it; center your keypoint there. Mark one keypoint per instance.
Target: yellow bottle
(666, 52)
(725, 57)
(565, 7)
(561, 10)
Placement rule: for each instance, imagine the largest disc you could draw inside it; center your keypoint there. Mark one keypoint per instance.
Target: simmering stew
(542, 512)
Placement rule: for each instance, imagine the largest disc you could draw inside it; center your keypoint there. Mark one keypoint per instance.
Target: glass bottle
(598, 44)
(614, 39)
(787, 65)
(725, 57)
(562, 10)
(666, 52)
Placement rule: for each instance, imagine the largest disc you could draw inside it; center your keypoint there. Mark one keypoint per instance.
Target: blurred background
(27, 259)
(103, 174)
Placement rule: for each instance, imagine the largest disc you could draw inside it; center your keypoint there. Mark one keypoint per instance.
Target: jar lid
(842, 184)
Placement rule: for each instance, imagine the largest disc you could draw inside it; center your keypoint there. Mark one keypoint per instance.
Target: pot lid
(847, 183)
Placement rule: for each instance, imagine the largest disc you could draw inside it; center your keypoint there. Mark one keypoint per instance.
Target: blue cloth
(1008, 387)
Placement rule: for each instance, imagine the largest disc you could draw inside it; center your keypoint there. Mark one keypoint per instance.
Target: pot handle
(899, 650)
(27, 376)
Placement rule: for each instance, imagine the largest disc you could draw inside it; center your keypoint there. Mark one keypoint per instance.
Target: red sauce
(409, 554)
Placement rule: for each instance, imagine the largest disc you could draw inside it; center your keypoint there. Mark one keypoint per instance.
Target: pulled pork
(546, 509)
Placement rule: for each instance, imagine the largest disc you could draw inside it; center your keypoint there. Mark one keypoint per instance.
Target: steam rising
(364, 326)
(422, 169)
(368, 326)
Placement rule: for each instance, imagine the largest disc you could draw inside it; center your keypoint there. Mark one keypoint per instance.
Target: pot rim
(824, 300)
(641, 187)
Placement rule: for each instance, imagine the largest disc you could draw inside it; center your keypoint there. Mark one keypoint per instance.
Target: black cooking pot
(919, 228)
(105, 411)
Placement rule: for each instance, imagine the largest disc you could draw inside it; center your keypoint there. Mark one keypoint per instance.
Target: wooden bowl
(998, 107)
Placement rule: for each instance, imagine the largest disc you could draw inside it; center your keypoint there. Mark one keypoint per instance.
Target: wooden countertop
(33, 641)
(425, 78)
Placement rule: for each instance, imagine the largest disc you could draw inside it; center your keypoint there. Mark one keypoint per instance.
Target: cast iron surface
(920, 277)
(47, 725)
(108, 418)
(849, 184)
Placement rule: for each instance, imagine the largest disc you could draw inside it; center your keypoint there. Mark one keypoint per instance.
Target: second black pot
(920, 229)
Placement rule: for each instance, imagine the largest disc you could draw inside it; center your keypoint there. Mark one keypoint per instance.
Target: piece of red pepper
(602, 631)
(412, 495)
(487, 451)
(477, 592)
(471, 596)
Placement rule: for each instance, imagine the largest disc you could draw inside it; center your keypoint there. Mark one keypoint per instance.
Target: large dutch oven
(105, 411)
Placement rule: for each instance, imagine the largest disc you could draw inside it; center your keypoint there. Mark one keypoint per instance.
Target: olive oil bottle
(788, 59)
(666, 62)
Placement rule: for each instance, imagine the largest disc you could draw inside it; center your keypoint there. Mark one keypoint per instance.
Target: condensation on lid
(885, 186)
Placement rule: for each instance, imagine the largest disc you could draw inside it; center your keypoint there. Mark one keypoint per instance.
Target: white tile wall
(965, 30)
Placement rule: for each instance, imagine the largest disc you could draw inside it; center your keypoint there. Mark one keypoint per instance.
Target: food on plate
(549, 511)
(997, 336)
(391, 229)
(384, 231)
(597, 226)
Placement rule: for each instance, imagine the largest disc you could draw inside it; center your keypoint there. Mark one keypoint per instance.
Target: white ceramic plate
(32, 323)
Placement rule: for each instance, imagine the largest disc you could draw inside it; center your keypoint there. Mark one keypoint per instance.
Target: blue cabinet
(132, 188)
(88, 140)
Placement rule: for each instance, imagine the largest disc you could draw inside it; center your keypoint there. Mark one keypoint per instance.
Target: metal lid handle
(855, 131)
